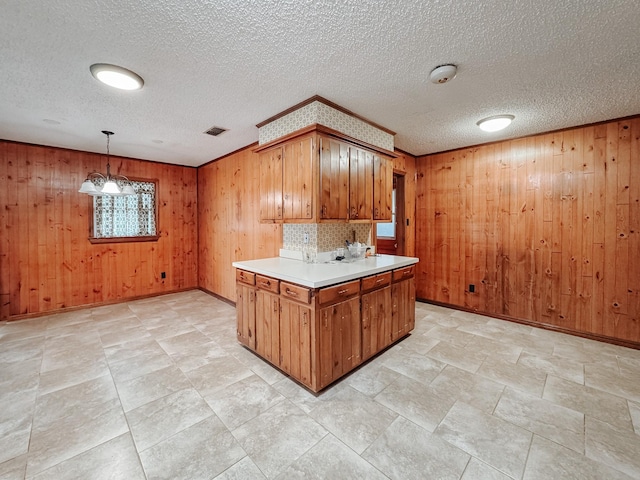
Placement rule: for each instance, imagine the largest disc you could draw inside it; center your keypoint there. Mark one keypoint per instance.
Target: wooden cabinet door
(295, 340)
(376, 321)
(297, 180)
(360, 184)
(382, 187)
(334, 179)
(246, 314)
(339, 346)
(271, 184)
(268, 326)
(403, 308)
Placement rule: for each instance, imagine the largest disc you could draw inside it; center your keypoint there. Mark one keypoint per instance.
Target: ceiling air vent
(215, 131)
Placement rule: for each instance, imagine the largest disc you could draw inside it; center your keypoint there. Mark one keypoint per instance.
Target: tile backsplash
(324, 236)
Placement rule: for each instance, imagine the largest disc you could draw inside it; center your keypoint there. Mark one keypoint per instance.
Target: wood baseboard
(546, 326)
(219, 297)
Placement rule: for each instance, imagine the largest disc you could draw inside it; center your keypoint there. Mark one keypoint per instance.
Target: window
(388, 230)
(126, 218)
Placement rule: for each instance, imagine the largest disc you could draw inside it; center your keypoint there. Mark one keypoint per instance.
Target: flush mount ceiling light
(112, 185)
(495, 123)
(117, 77)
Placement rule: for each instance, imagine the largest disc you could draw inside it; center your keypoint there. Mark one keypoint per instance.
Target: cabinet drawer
(246, 277)
(268, 283)
(376, 281)
(295, 292)
(402, 273)
(339, 292)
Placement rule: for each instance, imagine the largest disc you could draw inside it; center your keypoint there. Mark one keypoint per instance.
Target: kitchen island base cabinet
(295, 340)
(339, 340)
(319, 335)
(376, 322)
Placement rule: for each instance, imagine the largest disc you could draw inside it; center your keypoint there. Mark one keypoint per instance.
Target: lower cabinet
(319, 335)
(295, 340)
(376, 321)
(246, 314)
(268, 325)
(403, 311)
(340, 344)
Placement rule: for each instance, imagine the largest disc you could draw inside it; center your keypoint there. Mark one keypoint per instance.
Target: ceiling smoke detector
(443, 73)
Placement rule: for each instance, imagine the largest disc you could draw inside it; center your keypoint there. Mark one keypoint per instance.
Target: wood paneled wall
(229, 221)
(46, 260)
(547, 228)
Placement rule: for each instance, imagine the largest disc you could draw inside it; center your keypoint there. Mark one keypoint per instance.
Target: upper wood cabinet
(356, 184)
(314, 177)
(286, 181)
(382, 187)
(271, 184)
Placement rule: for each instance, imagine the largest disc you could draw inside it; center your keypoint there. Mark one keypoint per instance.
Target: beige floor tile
(278, 437)
(158, 420)
(14, 469)
(406, 451)
(71, 375)
(542, 417)
(554, 365)
(590, 401)
(152, 386)
(243, 400)
(634, 410)
(450, 334)
(495, 350)
(474, 390)
(519, 377)
(416, 401)
(330, 458)
(496, 442)
(371, 378)
(116, 458)
(420, 368)
(70, 435)
(550, 461)
(219, 373)
(201, 451)
(145, 362)
(619, 449)
(80, 357)
(477, 470)
(355, 419)
(245, 469)
(469, 360)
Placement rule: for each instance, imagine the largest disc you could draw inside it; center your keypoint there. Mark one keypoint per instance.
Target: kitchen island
(317, 322)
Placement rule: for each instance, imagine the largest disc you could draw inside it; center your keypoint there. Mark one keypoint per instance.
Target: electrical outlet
(163, 275)
(472, 288)
(306, 238)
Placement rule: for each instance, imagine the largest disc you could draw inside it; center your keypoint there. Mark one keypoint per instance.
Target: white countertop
(316, 275)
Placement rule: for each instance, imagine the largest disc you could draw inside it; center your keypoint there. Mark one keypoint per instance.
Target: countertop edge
(273, 267)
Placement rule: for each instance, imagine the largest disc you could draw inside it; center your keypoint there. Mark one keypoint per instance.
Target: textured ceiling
(235, 63)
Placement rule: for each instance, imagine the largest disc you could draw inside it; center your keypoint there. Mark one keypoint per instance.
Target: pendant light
(112, 185)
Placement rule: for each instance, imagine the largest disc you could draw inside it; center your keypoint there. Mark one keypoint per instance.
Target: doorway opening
(390, 237)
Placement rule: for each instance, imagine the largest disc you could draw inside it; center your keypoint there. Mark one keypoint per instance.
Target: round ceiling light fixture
(443, 73)
(495, 123)
(117, 77)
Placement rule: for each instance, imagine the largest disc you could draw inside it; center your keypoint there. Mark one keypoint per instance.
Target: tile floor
(159, 388)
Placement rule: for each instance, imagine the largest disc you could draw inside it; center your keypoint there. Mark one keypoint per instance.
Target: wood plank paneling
(553, 221)
(46, 260)
(229, 227)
